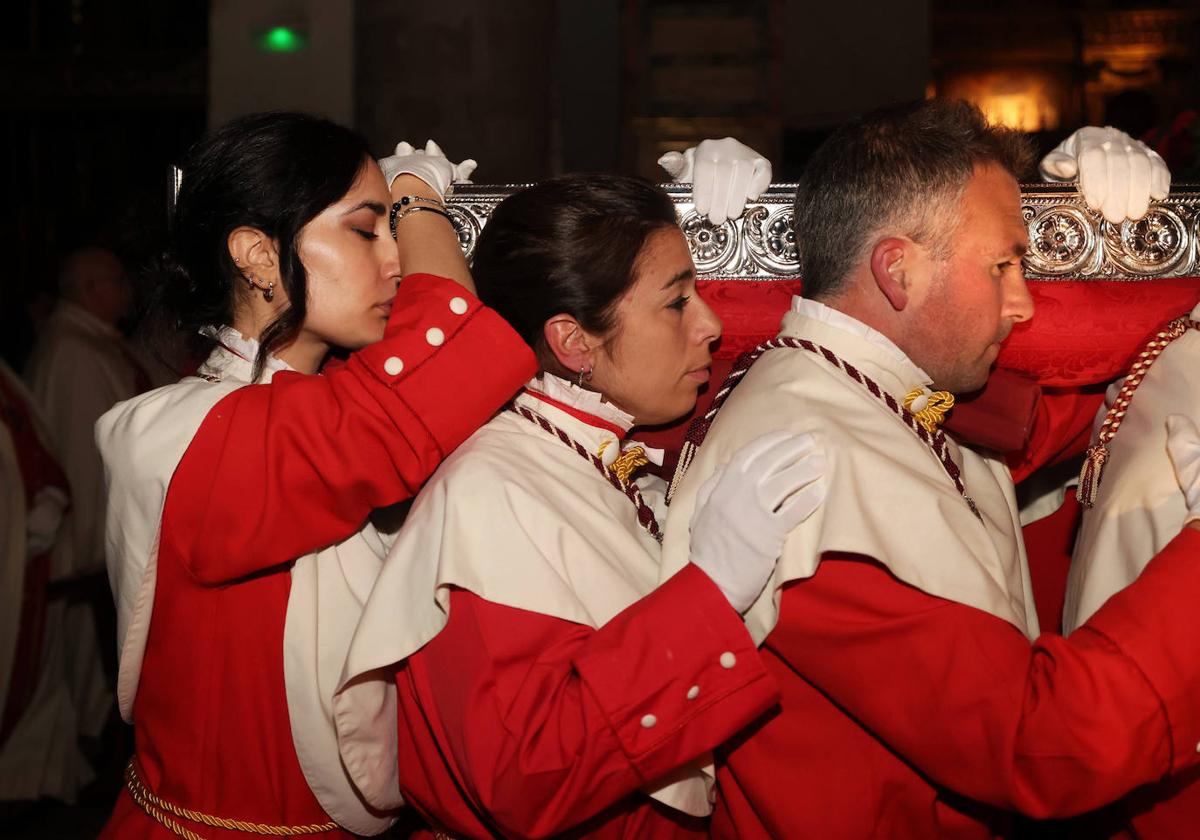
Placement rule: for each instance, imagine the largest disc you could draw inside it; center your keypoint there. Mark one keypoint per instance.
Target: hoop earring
(584, 376)
(268, 293)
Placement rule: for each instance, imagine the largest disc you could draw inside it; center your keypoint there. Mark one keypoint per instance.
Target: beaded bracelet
(407, 204)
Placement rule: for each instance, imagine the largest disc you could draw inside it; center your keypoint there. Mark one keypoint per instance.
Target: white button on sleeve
(693, 692)
(649, 721)
(435, 336)
(728, 660)
(393, 365)
(458, 306)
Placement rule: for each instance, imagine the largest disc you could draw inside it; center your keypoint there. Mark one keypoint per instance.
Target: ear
(891, 260)
(570, 343)
(255, 253)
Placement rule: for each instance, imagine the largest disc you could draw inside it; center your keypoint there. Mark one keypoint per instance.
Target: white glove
(428, 164)
(43, 520)
(745, 511)
(1183, 446)
(1117, 174)
(724, 174)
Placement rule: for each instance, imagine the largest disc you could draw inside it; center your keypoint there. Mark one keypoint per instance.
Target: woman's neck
(304, 353)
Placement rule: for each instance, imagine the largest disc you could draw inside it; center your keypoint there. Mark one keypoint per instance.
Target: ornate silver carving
(1066, 238)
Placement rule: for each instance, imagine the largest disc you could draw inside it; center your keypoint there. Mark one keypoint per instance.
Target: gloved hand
(1117, 174)
(43, 520)
(428, 164)
(1183, 446)
(724, 174)
(745, 511)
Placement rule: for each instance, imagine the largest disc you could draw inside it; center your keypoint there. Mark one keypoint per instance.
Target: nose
(708, 325)
(1018, 303)
(390, 266)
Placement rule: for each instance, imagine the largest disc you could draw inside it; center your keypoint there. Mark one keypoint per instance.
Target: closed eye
(368, 235)
(679, 303)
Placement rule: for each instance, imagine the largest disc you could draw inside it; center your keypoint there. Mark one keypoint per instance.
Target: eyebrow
(1017, 250)
(686, 274)
(374, 206)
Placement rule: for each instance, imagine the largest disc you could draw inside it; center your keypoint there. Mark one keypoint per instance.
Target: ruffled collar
(599, 426)
(234, 356)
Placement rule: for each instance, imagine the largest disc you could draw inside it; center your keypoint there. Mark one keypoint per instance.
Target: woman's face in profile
(658, 354)
(352, 264)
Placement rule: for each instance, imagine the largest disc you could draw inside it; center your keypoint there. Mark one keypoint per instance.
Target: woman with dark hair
(540, 682)
(237, 497)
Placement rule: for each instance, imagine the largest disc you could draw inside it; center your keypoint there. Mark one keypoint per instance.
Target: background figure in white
(39, 754)
(81, 366)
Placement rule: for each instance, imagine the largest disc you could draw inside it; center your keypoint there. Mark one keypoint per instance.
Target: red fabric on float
(1084, 332)
(1088, 331)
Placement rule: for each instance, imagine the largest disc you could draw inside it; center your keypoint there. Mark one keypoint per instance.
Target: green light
(282, 39)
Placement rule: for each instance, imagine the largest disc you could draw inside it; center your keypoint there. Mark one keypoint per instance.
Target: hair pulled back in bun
(272, 171)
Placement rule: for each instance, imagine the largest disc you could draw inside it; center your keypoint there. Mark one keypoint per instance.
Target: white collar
(239, 347)
(580, 399)
(584, 415)
(818, 311)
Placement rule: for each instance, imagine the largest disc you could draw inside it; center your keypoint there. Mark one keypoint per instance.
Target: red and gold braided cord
(1097, 454)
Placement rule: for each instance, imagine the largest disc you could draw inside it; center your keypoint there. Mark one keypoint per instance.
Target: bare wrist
(406, 184)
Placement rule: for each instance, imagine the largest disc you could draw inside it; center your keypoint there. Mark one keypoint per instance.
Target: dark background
(100, 96)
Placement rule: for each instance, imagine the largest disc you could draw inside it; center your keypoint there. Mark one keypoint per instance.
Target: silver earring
(268, 293)
(584, 375)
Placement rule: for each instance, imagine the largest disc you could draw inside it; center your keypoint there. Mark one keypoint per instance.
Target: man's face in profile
(978, 293)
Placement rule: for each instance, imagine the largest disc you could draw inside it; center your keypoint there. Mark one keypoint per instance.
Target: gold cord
(934, 412)
(155, 808)
(628, 462)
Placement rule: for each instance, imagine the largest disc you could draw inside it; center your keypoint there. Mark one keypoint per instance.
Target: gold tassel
(1090, 475)
(931, 414)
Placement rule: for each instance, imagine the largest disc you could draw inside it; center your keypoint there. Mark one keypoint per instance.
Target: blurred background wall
(99, 96)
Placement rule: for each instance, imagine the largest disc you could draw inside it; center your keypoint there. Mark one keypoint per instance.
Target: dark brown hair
(899, 171)
(271, 171)
(567, 245)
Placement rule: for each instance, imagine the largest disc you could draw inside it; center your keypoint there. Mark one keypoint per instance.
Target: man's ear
(570, 343)
(255, 253)
(891, 262)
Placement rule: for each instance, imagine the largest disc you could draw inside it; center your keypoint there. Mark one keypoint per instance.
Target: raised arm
(278, 470)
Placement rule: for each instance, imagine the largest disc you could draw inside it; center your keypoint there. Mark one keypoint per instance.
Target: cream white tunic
(1140, 506)
(79, 369)
(143, 441)
(889, 496)
(521, 520)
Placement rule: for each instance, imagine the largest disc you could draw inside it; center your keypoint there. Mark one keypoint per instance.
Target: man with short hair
(919, 698)
(81, 367)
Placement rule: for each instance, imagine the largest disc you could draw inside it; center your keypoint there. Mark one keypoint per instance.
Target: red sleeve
(546, 723)
(1050, 729)
(280, 469)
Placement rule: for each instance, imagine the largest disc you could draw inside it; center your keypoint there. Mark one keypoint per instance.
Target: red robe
(517, 724)
(921, 717)
(906, 715)
(274, 472)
